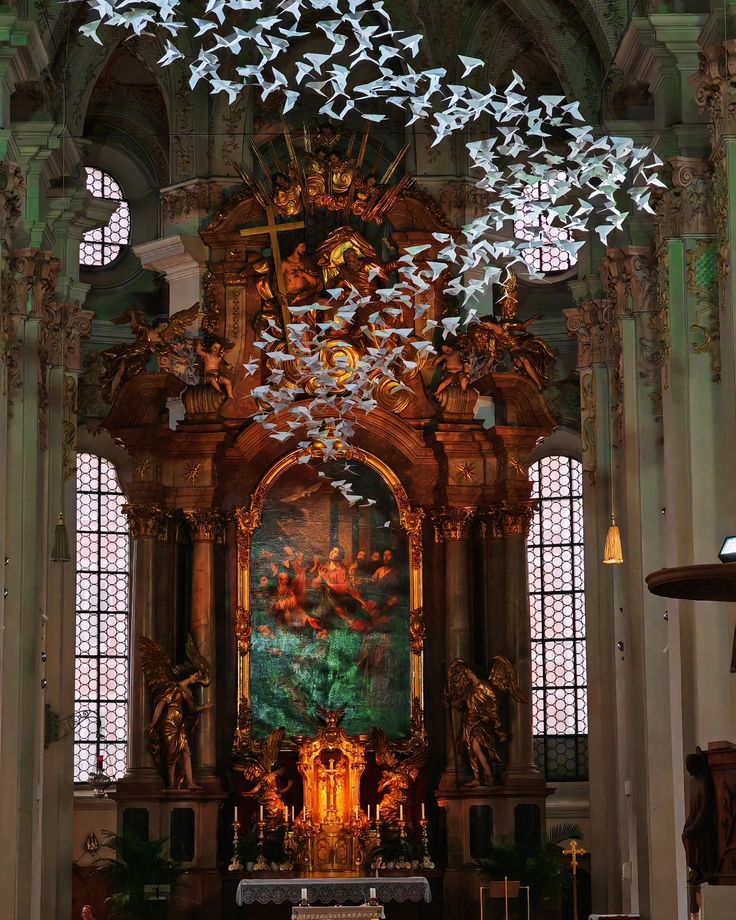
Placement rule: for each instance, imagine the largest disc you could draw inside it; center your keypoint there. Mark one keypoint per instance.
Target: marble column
(452, 528)
(591, 323)
(207, 528)
(507, 524)
(145, 522)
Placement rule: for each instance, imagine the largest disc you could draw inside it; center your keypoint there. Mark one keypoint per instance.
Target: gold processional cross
(273, 229)
(573, 851)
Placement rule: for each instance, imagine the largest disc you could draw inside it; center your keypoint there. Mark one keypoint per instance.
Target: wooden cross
(273, 229)
(573, 851)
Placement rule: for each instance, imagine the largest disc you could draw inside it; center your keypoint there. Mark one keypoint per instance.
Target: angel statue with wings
(478, 703)
(398, 773)
(175, 711)
(259, 767)
(164, 340)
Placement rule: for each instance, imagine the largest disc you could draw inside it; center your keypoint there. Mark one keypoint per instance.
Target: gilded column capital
(627, 276)
(452, 523)
(145, 521)
(507, 519)
(715, 88)
(591, 322)
(207, 525)
(684, 206)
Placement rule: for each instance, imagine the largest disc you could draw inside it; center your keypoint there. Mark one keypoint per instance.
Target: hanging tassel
(613, 553)
(60, 550)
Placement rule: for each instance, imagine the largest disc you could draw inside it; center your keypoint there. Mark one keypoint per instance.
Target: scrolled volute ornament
(478, 703)
(173, 724)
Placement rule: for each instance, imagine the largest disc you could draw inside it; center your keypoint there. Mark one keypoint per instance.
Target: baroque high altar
(341, 671)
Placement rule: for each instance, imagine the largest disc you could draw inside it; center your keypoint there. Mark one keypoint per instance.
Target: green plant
(395, 849)
(543, 867)
(248, 847)
(136, 864)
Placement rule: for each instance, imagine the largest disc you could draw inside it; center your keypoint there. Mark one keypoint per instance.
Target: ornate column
(506, 524)
(145, 522)
(591, 322)
(452, 528)
(207, 529)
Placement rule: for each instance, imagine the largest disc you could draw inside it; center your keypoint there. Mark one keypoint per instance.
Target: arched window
(103, 573)
(548, 259)
(557, 602)
(102, 246)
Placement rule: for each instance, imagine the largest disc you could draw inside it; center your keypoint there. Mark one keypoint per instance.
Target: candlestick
(235, 863)
(426, 862)
(261, 864)
(304, 901)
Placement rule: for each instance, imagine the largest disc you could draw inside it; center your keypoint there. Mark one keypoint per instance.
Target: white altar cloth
(331, 890)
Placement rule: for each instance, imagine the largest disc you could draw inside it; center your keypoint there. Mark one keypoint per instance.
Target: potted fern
(137, 865)
(543, 868)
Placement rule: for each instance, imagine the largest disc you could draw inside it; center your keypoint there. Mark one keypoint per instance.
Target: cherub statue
(397, 773)
(216, 364)
(175, 711)
(163, 339)
(260, 768)
(456, 369)
(478, 704)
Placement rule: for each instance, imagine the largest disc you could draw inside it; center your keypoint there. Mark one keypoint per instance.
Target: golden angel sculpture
(259, 767)
(489, 340)
(477, 701)
(399, 770)
(164, 340)
(175, 711)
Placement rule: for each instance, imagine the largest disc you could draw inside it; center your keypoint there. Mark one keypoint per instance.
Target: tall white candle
(286, 814)
(424, 814)
(292, 814)
(261, 812)
(378, 812)
(235, 818)
(373, 894)
(369, 812)
(401, 812)
(304, 894)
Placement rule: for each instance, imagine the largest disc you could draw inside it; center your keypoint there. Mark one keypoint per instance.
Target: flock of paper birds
(535, 144)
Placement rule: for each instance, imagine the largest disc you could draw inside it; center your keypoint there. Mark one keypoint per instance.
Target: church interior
(367, 407)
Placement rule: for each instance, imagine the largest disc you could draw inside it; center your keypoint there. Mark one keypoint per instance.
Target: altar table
(331, 890)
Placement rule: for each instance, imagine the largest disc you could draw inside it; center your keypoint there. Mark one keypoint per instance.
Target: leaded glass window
(549, 259)
(101, 246)
(557, 603)
(103, 563)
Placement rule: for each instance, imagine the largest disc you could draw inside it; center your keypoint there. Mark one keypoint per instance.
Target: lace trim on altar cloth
(327, 891)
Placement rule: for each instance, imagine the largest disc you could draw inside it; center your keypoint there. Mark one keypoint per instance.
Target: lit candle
(424, 814)
(261, 812)
(235, 816)
(401, 812)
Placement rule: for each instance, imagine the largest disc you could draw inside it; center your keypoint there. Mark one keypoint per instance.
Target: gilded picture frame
(249, 518)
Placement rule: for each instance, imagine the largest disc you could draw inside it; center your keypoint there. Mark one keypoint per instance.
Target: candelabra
(403, 863)
(261, 864)
(235, 863)
(426, 862)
